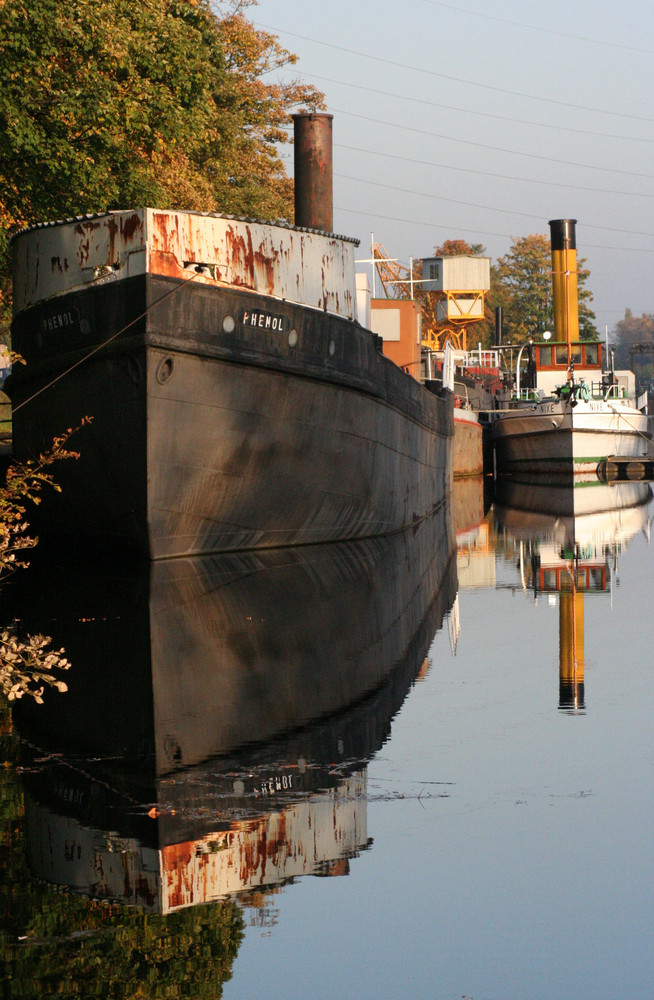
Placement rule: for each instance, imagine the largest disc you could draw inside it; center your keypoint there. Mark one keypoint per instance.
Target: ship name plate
(65, 319)
(264, 320)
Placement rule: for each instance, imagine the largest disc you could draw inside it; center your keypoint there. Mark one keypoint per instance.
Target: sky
(483, 122)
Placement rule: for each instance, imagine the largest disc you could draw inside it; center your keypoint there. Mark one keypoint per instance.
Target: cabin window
(433, 271)
(592, 354)
(562, 354)
(545, 357)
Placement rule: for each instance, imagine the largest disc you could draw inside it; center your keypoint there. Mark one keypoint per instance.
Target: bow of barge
(236, 401)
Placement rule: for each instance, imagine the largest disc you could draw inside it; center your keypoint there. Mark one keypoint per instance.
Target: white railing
(613, 391)
(480, 358)
(463, 396)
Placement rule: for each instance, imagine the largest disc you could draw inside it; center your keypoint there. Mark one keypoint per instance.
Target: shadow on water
(221, 712)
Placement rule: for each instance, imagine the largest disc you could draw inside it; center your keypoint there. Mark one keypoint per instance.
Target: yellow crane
(446, 314)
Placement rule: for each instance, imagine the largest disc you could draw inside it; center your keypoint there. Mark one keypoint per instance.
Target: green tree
(118, 103)
(522, 284)
(104, 103)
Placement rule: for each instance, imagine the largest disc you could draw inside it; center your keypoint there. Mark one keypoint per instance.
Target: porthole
(229, 324)
(332, 348)
(165, 370)
(172, 749)
(292, 338)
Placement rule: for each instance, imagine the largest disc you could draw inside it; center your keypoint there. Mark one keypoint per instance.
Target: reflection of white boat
(566, 539)
(571, 415)
(590, 514)
(221, 712)
(317, 833)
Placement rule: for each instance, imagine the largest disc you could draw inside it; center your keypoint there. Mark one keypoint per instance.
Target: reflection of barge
(236, 401)
(201, 656)
(286, 666)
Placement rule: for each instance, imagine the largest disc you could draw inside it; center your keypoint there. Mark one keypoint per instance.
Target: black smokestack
(313, 171)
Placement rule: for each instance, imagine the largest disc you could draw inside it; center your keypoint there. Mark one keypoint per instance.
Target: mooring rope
(56, 757)
(637, 430)
(101, 346)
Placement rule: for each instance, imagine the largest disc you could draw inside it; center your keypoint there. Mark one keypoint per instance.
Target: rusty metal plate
(308, 268)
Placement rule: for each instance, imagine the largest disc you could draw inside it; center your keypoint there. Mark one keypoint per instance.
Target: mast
(564, 284)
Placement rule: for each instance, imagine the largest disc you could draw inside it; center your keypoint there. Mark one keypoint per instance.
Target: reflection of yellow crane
(446, 314)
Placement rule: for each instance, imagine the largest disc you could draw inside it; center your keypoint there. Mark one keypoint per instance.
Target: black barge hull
(222, 418)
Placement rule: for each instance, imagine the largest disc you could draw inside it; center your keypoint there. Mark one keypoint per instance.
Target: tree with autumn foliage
(253, 179)
(459, 248)
(115, 103)
(521, 283)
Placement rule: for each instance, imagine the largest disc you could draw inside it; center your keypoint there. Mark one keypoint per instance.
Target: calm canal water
(415, 767)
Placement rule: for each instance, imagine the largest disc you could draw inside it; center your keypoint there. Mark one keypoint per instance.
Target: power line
(476, 232)
(496, 149)
(480, 114)
(472, 204)
(454, 79)
(488, 173)
(544, 31)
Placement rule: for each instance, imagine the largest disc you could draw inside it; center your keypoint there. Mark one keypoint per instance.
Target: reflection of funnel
(571, 650)
(221, 712)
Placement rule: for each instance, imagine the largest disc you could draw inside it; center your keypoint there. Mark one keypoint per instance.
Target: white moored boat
(573, 413)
